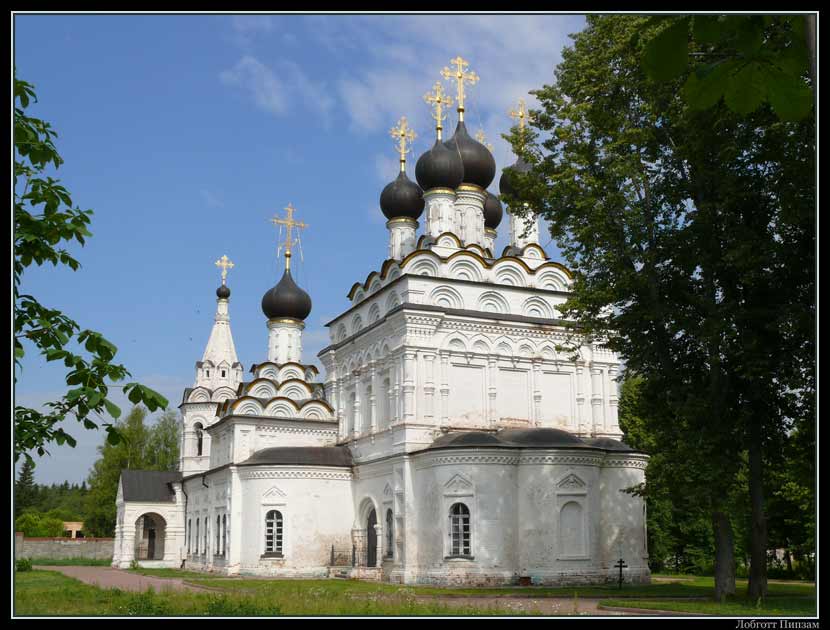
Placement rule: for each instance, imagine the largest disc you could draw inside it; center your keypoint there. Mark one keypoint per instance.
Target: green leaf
(135, 393)
(112, 408)
(113, 436)
(666, 56)
(707, 29)
(705, 87)
(790, 97)
(747, 89)
(750, 35)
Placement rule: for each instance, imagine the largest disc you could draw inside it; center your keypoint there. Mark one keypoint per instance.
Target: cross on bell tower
(289, 223)
(461, 77)
(224, 263)
(522, 115)
(403, 135)
(438, 100)
(483, 140)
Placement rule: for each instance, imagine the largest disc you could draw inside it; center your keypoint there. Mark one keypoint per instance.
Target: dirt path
(107, 577)
(532, 605)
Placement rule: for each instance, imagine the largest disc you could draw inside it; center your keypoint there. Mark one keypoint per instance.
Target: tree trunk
(724, 556)
(810, 37)
(758, 529)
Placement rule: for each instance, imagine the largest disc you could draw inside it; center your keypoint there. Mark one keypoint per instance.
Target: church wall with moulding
(317, 508)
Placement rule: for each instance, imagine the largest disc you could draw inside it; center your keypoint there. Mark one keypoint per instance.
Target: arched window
(207, 531)
(199, 438)
(218, 549)
(459, 530)
(390, 537)
(223, 373)
(273, 533)
(224, 533)
(189, 534)
(196, 548)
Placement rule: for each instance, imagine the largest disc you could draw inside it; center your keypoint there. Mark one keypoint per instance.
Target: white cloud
(211, 200)
(512, 54)
(273, 89)
(259, 81)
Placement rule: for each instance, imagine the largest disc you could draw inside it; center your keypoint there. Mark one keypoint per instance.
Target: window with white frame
(189, 534)
(460, 530)
(196, 547)
(207, 532)
(218, 547)
(273, 532)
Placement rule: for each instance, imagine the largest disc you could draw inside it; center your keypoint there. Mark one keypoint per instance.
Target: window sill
(271, 555)
(461, 557)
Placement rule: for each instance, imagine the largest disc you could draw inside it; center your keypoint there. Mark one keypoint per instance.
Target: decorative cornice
(277, 473)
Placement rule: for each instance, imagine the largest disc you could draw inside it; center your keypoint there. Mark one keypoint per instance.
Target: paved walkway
(107, 577)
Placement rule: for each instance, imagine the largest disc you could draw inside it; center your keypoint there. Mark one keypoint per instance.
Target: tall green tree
(46, 223)
(682, 227)
(25, 490)
(142, 447)
(163, 447)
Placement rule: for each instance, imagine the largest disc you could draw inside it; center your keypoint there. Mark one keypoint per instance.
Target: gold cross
(225, 264)
(403, 134)
(438, 100)
(480, 137)
(289, 223)
(460, 77)
(521, 114)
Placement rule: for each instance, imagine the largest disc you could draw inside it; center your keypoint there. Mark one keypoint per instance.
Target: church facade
(450, 439)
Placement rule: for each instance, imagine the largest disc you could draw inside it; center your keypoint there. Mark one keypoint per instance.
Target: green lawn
(263, 597)
(65, 562)
(51, 593)
(771, 607)
(690, 586)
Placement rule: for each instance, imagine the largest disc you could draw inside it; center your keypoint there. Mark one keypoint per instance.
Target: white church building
(450, 438)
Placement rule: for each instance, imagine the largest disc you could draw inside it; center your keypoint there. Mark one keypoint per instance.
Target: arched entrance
(372, 539)
(150, 530)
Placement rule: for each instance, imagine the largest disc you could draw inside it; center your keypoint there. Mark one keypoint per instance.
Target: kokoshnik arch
(449, 442)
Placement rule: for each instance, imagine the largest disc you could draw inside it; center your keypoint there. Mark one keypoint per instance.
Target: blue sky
(185, 134)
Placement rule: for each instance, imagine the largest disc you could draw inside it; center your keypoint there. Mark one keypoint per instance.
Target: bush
(36, 525)
(24, 564)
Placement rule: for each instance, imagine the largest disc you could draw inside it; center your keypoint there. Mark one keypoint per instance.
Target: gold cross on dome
(289, 223)
(482, 139)
(460, 77)
(224, 263)
(403, 134)
(438, 100)
(521, 114)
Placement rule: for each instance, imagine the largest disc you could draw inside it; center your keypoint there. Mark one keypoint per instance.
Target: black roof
(402, 198)
(149, 485)
(286, 299)
(302, 455)
(526, 438)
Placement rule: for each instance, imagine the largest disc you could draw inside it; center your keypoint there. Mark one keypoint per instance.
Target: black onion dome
(493, 211)
(286, 300)
(506, 186)
(479, 165)
(402, 198)
(439, 168)
(223, 292)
